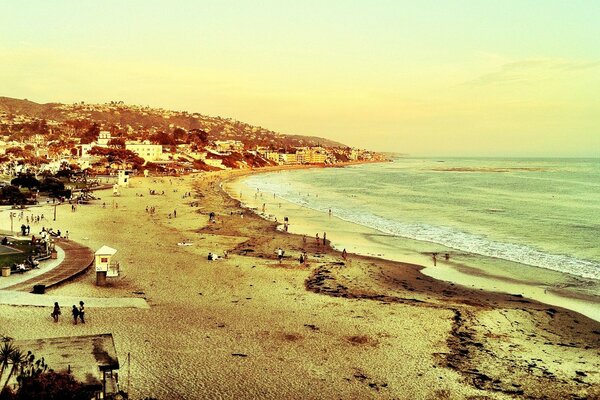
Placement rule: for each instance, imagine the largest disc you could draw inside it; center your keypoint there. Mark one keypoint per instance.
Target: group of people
(318, 240)
(212, 256)
(434, 258)
(44, 233)
(25, 229)
(77, 312)
(151, 210)
(34, 219)
(30, 219)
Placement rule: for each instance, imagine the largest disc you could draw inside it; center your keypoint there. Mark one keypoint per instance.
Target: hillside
(131, 120)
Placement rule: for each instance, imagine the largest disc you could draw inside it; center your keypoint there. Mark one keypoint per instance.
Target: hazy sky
(422, 77)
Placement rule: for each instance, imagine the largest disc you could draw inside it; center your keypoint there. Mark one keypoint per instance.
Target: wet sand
(478, 272)
(250, 327)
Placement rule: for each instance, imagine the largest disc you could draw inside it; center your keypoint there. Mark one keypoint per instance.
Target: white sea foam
(446, 236)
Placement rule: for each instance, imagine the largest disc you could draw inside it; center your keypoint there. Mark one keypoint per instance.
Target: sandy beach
(250, 327)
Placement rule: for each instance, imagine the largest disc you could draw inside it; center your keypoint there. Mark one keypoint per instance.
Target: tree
(118, 155)
(117, 143)
(5, 355)
(25, 180)
(91, 134)
(163, 138)
(179, 134)
(53, 386)
(54, 187)
(16, 358)
(12, 195)
(198, 136)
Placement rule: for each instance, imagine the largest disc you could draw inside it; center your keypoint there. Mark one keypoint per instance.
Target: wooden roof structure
(86, 357)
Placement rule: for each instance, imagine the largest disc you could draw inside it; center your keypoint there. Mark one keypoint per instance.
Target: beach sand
(250, 327)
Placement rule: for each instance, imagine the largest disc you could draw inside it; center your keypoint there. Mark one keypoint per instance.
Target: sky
(453, 78)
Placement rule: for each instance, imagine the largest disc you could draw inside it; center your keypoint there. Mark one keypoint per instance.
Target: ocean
(529, 220)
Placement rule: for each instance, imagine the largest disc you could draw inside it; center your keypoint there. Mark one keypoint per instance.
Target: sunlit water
(502, 216)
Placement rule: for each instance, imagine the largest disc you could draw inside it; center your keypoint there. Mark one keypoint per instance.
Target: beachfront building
(84, 149)
(226, 146)
(146, 150)
(91, 360)
(317, 155)
(103, 138)
(288, 158)
(268, 154)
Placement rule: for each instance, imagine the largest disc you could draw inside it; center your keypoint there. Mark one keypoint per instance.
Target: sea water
(517, 219)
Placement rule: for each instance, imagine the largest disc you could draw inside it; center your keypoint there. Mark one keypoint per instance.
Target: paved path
(77, 259)
(73, 259)
(16, 298)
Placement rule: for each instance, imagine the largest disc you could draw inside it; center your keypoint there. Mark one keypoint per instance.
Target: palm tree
(6, 352)
(16, 358)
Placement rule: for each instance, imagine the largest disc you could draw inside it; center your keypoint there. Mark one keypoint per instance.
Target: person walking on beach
(324, 237)
(81, 312)
(344, 254)
(280, 254)
(301, 260)
(317, 238)
(75, 313)
(434, 256)
(56, 312)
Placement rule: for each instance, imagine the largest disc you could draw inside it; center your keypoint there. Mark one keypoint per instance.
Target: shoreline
(467, 276)
(321, 330)
(493, 302)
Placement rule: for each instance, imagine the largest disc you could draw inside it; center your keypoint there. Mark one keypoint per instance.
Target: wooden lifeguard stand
(104, 266)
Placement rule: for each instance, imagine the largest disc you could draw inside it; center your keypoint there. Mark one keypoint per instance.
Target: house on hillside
(103, 138)
(146, 150)
(226, 146)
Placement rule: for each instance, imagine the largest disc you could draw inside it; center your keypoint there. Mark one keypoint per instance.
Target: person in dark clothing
(75, 312)
(56, 312)
(81, 312)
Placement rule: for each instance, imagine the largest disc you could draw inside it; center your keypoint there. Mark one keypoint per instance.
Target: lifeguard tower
(123, 177)
(105, 267)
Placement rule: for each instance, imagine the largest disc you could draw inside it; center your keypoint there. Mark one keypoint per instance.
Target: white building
(146, 150)
(103, 138)
(224, 146)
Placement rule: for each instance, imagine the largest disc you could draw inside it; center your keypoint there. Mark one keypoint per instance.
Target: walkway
(77, 259)
(73, 259)
(15, 298)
